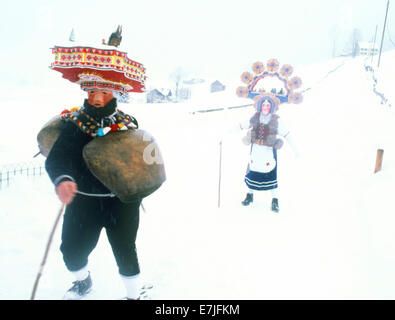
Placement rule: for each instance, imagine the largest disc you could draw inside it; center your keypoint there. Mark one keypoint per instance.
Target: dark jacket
(65, 160)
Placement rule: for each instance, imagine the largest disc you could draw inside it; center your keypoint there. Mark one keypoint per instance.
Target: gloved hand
(66, 191)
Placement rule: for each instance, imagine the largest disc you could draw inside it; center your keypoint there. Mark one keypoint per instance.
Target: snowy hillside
(333, 237)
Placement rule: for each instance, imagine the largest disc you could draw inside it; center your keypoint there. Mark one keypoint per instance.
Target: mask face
(99, 98)
(266, 106)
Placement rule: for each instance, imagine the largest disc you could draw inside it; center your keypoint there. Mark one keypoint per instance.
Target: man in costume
(265, 125)
(107, 75)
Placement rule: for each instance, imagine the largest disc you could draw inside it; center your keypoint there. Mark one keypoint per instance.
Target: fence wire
(8, 172)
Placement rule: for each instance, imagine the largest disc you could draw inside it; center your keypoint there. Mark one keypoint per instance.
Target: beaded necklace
(92, 127)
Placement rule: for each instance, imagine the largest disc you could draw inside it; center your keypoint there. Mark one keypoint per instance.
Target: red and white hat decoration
(272, 70)
(99, 68)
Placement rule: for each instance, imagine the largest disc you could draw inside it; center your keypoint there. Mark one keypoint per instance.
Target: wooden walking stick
(219, 179)
(46, 252)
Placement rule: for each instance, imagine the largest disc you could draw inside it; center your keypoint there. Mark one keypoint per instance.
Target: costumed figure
(265, 125)
(101, 164)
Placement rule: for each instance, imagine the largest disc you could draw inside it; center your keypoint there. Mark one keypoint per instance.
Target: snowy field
(333, 238)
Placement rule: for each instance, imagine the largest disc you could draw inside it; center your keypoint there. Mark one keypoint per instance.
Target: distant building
(217, 86)
(367, 49)
(159, 96)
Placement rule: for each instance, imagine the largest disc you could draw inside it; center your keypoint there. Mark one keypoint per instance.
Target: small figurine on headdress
(98, 161)
(265, 125)
(115, 38)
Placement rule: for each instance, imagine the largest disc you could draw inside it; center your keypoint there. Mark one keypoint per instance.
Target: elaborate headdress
(100, 67)
(257, 90)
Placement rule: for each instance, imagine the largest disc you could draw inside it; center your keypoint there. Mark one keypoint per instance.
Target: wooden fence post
(220, 173)
(379, 160)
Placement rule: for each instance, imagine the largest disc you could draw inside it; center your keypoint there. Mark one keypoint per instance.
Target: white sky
(217, 38)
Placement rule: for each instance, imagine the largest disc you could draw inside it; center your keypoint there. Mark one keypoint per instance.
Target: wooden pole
(382, 38)
(379, 160)
(219, 179)
(46, 252)
(374, 45)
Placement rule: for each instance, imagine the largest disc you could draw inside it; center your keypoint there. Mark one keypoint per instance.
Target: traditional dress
(262, 167)
(266, 125)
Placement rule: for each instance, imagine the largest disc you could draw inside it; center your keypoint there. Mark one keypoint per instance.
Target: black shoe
(275, 207)
(249, 199)
(79, 289)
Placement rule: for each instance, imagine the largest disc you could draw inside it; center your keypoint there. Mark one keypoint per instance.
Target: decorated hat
(101, 67)
(270, 82)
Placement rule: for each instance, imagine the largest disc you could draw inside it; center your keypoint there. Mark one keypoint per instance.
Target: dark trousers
(83, 221)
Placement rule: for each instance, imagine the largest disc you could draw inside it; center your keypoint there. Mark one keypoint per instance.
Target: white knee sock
(81, 274)
(132, 285)
(275, 193)
(250, 190)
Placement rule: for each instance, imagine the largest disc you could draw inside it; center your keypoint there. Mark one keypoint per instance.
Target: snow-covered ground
(333, 238)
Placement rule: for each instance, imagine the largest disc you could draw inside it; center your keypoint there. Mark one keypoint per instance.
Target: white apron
(262, 159)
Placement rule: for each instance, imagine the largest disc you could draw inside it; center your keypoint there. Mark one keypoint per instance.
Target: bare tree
(352, 45)
(333, 36)
(178, 76)
(356, 38)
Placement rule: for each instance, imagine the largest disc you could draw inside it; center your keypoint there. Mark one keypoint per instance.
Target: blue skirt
(262, 181)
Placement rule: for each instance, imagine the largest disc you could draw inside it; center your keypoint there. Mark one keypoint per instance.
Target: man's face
(99, 98)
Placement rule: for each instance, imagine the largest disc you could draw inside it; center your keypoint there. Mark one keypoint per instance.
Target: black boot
(249, 199)
(275, 207)
(79, 289)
